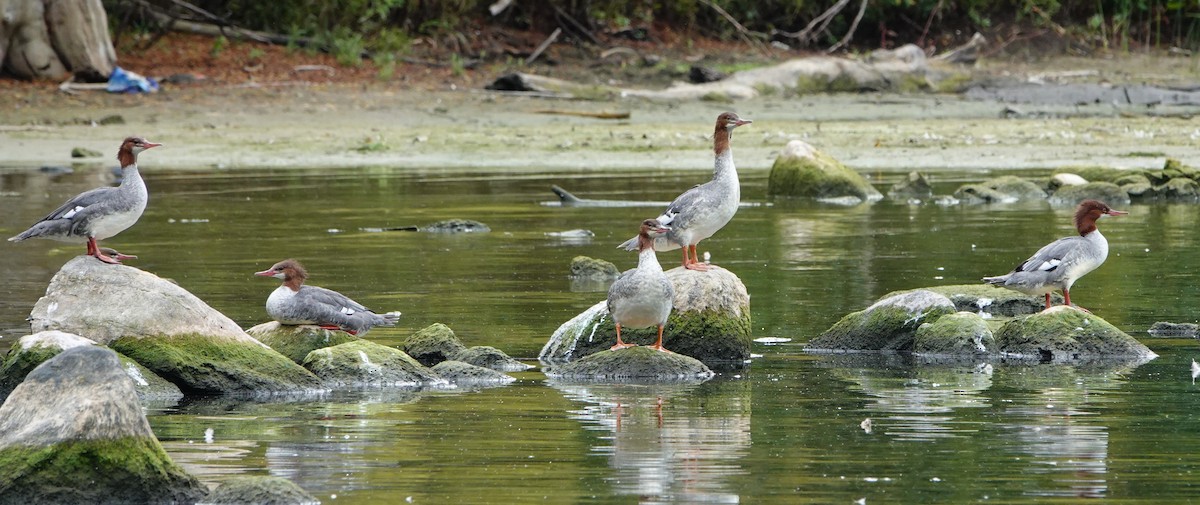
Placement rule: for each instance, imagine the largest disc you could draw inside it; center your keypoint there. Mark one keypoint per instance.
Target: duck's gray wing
(73, 213)
(1048, 258)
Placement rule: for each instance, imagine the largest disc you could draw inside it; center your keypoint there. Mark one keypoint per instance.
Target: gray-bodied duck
(295, 303)
(642, 296)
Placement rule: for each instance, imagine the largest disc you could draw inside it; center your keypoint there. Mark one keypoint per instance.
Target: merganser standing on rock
(102, 212)
(642, 296)
(699, 212)
(1060, 263)
(295, 303)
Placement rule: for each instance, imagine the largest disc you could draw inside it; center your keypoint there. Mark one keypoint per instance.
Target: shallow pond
(788, 429)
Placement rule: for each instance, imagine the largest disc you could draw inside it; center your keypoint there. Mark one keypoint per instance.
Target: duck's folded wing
(1048, 258)
(79, 203)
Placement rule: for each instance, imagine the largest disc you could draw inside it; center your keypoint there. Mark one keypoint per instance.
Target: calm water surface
(789, 429)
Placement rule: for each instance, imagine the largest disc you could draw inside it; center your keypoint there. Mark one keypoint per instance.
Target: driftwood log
(49, 39)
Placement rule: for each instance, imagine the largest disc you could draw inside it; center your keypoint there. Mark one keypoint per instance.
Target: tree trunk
(47, 39)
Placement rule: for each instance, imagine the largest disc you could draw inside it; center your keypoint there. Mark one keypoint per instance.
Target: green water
(788, 429)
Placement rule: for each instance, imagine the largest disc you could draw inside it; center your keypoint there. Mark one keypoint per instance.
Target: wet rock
(710, 322)
(802, 171)
(583, 267)
(1066, 334)
(490, 358)
(988, 299)
(433, 344)
(1064, 179)
(206, 365)
(700, 74)
(83, 152)
(365, 363)
(1166, 329)
(465, 374)
(1103, 191)
(33, 350)
(957, 334)
(74, 432)
(1008, 188)
(1131, 178)
(259, 489)
(1179, 188)
(1139, 190)
(296, 342)
(890, 324)
(915, 185)
(632, 364)
(457, 226)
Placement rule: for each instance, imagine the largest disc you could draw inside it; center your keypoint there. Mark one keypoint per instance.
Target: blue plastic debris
(124, 81)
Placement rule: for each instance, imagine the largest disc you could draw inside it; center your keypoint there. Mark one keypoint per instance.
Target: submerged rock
(583, 267)
(1166, 329)
(632, 364)
(890, 324)
(957, 334)
(1103, 191)
(465, 374)
(710, 322)
(296, 342)
(365, 363)
(259, 489)
(74, 432)
(433, 344)
(803, 171)
(1065, 334)
(915, 185)
(491, 358)
(1008, 188)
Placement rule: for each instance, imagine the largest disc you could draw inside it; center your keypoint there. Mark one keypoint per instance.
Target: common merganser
(295, 303)
(642, 296)
(1060, 263)
(102, 212)
(699, 212)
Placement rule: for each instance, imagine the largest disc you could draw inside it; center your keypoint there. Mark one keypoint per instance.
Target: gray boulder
(890, 324)
(1103, 191)
(583, 267)
(33, 350)
(433, 344)
(915, 185)
(365, 363)
(802, 171)
(1067, 334)
(710, 322)
(632, 364)
(465, 374)
(994, 300)
(957, 334)
(1065, 179)
(74, 432)
(259, 490)
(1008, 188)
(491, 358)
(296, 342)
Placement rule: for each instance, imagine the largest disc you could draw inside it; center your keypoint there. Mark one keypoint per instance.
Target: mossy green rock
(632, 364)
(83, 152)
(584, 267)
(365, 363)
(491, 358)
(466, 374)
(74, 432)
(957, 334)
(296, 342)
(259, 490)
(1106, 192)
(1064, 334)
(33, 350)
(1179, 188)
(433, 344)
(1008, 188)
(802, 171)
(203, 364)
(890, 324)
(990, 299)
(710, 321)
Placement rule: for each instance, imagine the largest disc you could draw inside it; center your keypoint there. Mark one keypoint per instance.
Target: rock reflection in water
(661, 444)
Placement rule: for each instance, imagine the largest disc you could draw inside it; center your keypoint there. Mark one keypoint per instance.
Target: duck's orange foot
(660, 348)
(620, 346)
(697, 266)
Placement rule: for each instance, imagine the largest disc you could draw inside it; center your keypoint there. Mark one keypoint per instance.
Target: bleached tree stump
(49, 39)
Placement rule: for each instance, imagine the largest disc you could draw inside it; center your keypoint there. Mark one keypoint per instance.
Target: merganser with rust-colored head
(699, 212)
(642, 296)
(100, 213)
(295, 303)
(1060, 263)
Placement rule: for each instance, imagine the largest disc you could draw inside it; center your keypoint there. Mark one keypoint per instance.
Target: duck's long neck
(648, 261)
(723, 168)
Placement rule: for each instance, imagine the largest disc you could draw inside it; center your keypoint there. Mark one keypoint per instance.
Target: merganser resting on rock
(699, 212)
(295, 303)
(642, 296)
(102, 212)
(1060, 263)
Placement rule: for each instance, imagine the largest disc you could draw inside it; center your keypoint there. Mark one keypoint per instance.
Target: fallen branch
(542, 47)
(742, 31)
(575, 24)
(862, 9)
(584, 113)
(809, 33)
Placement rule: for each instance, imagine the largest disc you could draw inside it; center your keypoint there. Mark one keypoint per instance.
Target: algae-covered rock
(465, 374)
(1103, 191)
(259, 490)
(632, 364)
(33, 350)
(710, 321)
(915, 185)
(890, 324)
(1179, 188)
(74, 432)
(957, 334)
(492, 358)
(583, 267)
(104, 302)
(203, 364)
(989, 299)
(365, 363)
(1169, 329)
(800, 170)
(296, 342)
(433, 344)
(1063, 333)
(1008, 188)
